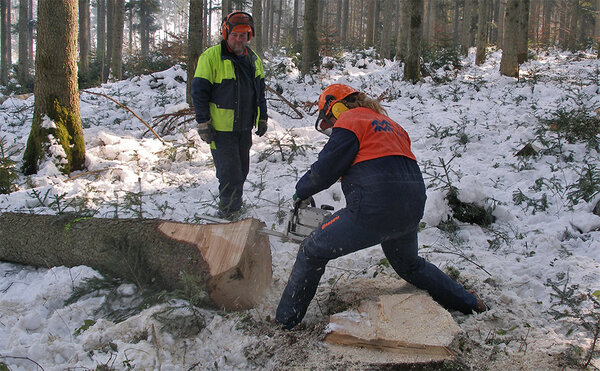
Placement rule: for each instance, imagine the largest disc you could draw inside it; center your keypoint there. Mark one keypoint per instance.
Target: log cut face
(402, 327)
(238, 258)
(231, 261)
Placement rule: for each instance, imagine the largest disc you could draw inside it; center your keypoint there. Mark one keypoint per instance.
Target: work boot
(480, 307)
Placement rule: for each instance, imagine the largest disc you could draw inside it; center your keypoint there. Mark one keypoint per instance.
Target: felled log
(231, 261)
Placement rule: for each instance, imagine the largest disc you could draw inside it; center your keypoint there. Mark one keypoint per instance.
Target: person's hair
(362, 100)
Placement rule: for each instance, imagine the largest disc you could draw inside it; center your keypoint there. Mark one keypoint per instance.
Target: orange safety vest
(378, 135)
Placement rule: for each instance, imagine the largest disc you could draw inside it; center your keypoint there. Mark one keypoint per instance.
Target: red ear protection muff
(238, 22)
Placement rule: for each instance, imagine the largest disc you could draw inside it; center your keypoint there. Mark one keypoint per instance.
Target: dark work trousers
(393, 225)
(232, 162)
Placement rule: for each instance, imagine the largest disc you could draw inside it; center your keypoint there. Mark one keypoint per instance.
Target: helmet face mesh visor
(323, 123)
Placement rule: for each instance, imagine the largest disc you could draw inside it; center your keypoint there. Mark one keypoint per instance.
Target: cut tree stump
(231, 261)
(407, 327)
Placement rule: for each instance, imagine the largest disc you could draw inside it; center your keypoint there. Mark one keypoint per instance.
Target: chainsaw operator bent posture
(385, 199)
(228, 91)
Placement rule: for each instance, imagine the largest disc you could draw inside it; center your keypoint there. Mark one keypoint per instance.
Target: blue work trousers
(350, 230)
(232, 162)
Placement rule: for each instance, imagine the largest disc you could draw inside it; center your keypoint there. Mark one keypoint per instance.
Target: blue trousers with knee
(232, 162)
(361, 225)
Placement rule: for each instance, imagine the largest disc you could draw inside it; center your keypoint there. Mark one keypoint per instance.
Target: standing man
(385, 199)
(228, 92)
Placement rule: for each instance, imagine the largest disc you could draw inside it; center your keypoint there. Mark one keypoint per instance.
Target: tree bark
(194, 43)
(597, 26)
(482, 32)
(101, 36)
(412, 66)
(5, 41)
(310, 42)
(257, 39)
(466, 28)
(116, 66)
(523, 32)
(386, 35)
(404, 20)
(56, 91)
(84, 36)
(231, 261)
(370, 34)
(23, 26)
(509, 65)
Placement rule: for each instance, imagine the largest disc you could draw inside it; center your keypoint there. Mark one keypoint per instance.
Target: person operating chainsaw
(385, 200)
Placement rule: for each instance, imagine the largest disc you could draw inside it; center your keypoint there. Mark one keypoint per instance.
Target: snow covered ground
(537, 265)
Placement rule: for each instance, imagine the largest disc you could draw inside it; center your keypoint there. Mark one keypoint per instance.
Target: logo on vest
(382, 126)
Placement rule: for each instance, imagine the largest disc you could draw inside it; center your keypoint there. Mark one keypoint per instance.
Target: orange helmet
(237, 22)
(328, 104)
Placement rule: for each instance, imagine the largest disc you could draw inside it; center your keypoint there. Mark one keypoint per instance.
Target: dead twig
(128, 109)
(25, 358)
(300, 115)
(86, 173)
(168, 121)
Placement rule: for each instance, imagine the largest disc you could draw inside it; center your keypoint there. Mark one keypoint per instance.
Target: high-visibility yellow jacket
(216, 93)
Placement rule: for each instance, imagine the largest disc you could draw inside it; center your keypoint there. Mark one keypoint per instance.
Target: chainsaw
(299, 222)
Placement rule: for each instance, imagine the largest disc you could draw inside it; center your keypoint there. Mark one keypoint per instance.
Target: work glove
(206, 131)
(300, 203)
(262, 128)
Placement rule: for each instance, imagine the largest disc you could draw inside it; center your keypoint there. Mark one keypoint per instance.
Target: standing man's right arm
(201, 89)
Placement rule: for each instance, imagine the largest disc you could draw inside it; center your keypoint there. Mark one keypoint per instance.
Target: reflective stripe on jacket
(378, 135)
(215, 91)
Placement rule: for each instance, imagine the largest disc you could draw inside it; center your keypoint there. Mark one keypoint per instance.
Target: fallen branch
(169, 120)
(300, 115)
(464, 257)
(128, 109)
(25, 358)
(86, 173)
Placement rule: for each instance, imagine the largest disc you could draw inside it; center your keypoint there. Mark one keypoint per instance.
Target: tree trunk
(386, 35)
(597, 26)
(523, 29)
(110, 34)
(412, 67)
(56, 91)
(482, 32)
(194, 43)
(144, 35)
(5, 41)
(573, 23)
(466, 28)
(84, 36)
(501, 11)
(509, 65)
(23, 26)
(404, 19)
(116, 66)
(257, 39)
(370, 34)
(101, 36)
(231, 261)
(310, 42)
(294, 30)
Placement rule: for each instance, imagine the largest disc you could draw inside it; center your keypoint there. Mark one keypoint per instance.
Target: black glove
(206, 131)
(300, 203)
(262, 128)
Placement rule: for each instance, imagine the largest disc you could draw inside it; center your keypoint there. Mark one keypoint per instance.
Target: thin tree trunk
(573, 24)
(482, 32)
(466, 28)
(84, 36)
(370, 34)
(294, 30)
(501, 11)
(403, 30)
(257, 39)
(195, 43)
(310, 43)
(386, 35)
(523, 38)
(5, 41)
(23, 26)
(55, 90)
(101, 36)
(509, 65)
(412, 67)
(116, 69)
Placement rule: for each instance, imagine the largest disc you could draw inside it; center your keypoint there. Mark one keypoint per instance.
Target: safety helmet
(237, 22)
(329, 103)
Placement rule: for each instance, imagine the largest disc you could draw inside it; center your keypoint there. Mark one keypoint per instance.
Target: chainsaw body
(302, 221)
